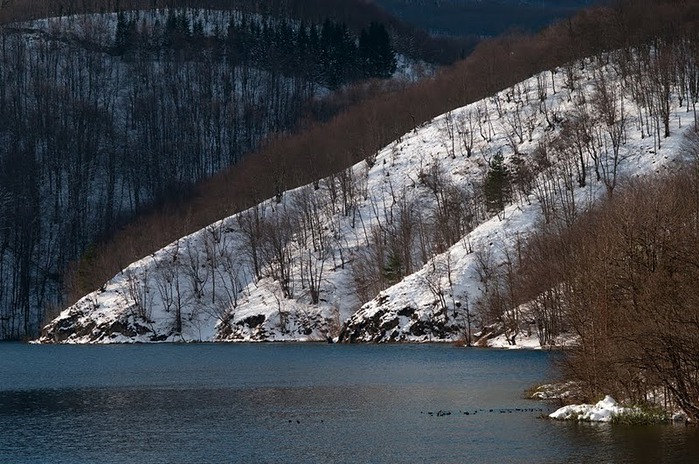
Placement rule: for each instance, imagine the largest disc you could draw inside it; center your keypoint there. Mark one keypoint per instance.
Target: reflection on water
(297, 403)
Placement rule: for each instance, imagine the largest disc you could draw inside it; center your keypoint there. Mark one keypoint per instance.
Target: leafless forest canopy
(622, 278)
(107, 116)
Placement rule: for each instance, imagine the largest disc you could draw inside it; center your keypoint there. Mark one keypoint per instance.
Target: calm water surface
(297, 403)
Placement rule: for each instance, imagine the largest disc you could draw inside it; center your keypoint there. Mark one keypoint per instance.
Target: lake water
(213, 403)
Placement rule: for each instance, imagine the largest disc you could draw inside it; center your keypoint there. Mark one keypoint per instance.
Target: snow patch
(604, 411)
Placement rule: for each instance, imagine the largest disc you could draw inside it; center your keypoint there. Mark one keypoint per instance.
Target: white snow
(603, 411)
(530, 342)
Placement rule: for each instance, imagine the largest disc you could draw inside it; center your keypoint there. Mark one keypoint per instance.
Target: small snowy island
(603, 411)
(610, 411)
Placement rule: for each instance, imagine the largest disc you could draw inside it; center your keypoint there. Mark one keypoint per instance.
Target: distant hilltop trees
(328, 54)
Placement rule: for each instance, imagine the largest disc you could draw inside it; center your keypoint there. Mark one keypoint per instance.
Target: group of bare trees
(631, 92)
(88, 139)
(622, 278)
(618, 275)
(297, 239)
(91, 139)
(381, 235)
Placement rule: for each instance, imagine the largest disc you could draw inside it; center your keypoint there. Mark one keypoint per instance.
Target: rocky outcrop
(381, 322)
(79, 325)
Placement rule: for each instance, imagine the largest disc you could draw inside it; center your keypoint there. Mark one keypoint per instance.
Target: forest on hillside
(625, 284)
(619, 277)
(105, 116)
(103, 138)
(409, 40)
(328, 147)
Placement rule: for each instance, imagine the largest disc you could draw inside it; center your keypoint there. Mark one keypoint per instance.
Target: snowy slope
(414, 310)
(321, 237)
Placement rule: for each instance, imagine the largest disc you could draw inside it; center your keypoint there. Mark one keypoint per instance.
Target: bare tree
(139, 291)
(252, 224)
(277, 236)
(609, 106)
(466, 131)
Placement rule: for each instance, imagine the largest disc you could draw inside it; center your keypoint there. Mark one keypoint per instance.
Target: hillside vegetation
(109, 115)
(332, 146)
(622, 278)
(299, 263)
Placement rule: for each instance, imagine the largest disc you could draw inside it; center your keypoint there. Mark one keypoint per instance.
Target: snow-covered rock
(602, 411)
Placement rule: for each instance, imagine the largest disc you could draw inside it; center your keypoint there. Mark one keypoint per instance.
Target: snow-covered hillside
(308, 264)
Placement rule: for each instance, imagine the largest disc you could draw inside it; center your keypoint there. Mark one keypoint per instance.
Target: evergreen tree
(376, 55)
(302, 57)
(178, 31)
(393, 269)
(338, 54)
(198, 35)
(314, 54)
(125, 38)
(328, 56)
(497, 189)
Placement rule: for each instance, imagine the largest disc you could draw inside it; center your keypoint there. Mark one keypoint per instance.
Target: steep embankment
(425, 214)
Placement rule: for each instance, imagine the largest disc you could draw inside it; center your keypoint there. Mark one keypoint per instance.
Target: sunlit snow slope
(309, 265)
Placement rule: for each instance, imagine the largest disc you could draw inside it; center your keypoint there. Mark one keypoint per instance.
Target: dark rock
(406, 312)
(252, 321)
(392, 324)
(381, 299)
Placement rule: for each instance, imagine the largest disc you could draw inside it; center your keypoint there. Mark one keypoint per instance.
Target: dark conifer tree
(497, 189)
(376, 55)
(126, 35)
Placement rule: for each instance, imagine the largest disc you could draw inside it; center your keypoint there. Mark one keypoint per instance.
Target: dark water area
(483, 18)
(298, 403)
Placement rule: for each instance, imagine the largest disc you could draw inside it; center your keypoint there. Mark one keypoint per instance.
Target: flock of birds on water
(442, 413)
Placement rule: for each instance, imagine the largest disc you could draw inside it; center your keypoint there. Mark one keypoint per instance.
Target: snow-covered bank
(608, 410)
(494, 337)
(603, 411)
